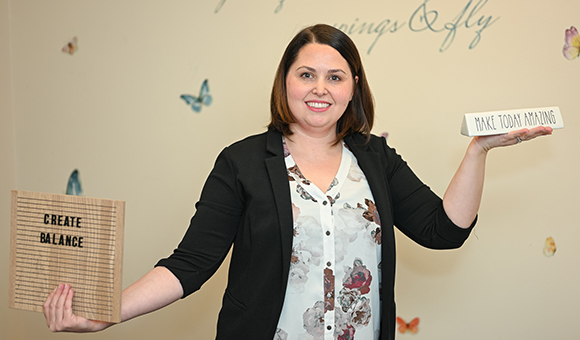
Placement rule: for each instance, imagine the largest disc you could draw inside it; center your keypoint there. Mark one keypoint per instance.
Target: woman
(309, 207)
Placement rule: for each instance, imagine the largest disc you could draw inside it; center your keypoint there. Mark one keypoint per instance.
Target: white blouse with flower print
(334, 279)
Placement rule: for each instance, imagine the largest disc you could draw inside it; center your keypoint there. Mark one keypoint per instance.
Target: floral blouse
(334, 279)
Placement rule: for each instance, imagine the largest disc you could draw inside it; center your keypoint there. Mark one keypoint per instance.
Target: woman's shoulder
(371, 141)
(257, 144)
(249, 140)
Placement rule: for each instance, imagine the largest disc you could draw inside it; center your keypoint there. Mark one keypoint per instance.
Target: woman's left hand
(514, 137)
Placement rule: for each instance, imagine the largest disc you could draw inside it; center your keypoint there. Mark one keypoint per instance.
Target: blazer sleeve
(417, 211)
(212, 228)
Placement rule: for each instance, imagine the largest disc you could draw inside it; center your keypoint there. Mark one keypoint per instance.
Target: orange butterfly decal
(71, 47)
(549, 247)
(412, 326)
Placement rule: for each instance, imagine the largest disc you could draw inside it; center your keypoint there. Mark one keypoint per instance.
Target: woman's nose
(319, 88)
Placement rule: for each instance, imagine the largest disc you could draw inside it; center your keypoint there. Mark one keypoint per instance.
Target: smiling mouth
(318, 105)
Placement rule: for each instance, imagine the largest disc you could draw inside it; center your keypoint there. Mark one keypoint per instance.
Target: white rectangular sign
(499, 122)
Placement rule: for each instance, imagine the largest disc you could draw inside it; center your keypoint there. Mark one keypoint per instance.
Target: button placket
(327, 223)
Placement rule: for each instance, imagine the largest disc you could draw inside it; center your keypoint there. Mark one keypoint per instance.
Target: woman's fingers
(57, 308)
(536, 132)
(46, 307)
(50, 307)
(59, 305)
(512, 138)
(67, 311)
(59, 315)
(523, 135)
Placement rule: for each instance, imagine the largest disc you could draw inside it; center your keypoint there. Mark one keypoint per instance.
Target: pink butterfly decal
(412, 326)
(71, 47)
(572, 47)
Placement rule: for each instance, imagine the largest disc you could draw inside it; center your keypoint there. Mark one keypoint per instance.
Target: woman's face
(319, 86)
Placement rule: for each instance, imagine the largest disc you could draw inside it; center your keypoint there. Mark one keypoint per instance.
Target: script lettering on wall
(67, 239)
(469, 18)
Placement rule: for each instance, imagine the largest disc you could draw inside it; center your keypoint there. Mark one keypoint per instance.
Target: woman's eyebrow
(307, 68)
(338, 70)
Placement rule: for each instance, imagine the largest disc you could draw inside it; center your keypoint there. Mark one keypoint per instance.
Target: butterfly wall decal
(572, 47)
(549, 247)
(204, 98)
(412, 326)
(73, 187)
(71, 47)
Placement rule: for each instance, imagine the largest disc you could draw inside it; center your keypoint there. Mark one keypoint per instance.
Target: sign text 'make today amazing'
(500, 122)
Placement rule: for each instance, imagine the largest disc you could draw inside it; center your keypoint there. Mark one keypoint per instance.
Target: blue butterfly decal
(203, 98)
(73, 186)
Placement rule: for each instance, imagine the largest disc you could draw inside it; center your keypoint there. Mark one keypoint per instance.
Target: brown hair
(359, 114)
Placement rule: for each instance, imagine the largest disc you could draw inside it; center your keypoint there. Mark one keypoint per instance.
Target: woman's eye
(334, 77)
(306, 75)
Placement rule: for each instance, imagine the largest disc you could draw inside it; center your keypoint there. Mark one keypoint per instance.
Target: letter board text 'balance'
(67, 239)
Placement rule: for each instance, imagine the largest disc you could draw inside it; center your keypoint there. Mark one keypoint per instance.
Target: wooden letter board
(67, 239)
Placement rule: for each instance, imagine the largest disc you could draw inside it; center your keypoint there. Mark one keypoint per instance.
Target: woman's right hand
(57, 310)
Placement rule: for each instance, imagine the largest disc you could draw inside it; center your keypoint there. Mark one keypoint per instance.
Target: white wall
(112, 110)
(10, 321)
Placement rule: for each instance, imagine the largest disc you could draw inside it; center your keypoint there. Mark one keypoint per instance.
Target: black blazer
(246, 202)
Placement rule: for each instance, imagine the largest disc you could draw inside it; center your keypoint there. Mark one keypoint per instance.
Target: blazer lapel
(279, 181)
(370, 163)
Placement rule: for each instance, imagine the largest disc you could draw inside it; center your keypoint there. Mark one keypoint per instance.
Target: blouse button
(329, 327)
(327, 233)
(328, 264)
(325, 203)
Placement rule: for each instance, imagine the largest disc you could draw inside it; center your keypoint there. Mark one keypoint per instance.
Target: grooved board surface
(67, 239)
